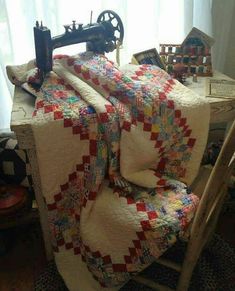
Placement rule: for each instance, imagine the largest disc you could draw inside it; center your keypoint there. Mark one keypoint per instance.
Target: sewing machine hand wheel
(117, 26)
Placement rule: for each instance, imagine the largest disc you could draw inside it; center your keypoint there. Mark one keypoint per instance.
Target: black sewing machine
(103, 36)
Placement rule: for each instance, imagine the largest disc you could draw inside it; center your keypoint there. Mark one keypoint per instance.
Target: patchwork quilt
(117, 149)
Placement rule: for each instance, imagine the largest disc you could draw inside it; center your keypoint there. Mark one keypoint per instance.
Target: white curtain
(146, 24)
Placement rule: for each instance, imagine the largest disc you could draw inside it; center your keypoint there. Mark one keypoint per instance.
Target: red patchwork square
(145, 225)
(80, 167)
(58, 197)
(92, 195)
(60, 242)
(58, 115)
(40, 104)
(51, 207)
(109, 108)
(86, 75)
(96, 254)
(119, 268)
(77, 251)
(161, 165)
(158, 143)
(154, 135)
(64, 187)
(170, 104)
(93, 148)
(182, 122)
(77, 68)
(191, 142)
(141, 235)
(126, 125)
(152, 215)
(68, 245)
(127, 259)
(162, 96)
(104, 117)
(95, 81)
(188, 132)
(177, 113)
(137, 244)
(132, 252)
(140, 117)
(130, 200)
(147, 126)
(68, 122)
(72, 176)
(140, 207)
(84, 136)
(86, 159)
(161, 182)
(139, 73)
(48, 108)
(77, 129)
(107, 260)
(106, 88)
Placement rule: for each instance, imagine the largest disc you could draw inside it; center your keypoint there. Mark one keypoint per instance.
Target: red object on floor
(11, 198)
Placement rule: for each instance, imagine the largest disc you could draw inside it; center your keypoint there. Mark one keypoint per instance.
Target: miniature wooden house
(194, 54)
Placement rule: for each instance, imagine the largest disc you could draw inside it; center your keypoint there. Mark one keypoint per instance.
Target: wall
(223, 30)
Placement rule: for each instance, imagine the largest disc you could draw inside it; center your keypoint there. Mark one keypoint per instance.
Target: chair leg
(192, 254)
(185, 277)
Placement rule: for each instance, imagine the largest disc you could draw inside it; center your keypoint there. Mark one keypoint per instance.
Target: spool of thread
(170, 59)
(177, 49)
(193, 50)
(199, 50)
(163, 49)
(163, 58)
(207, 51)
(193, 59)
(193, 69)
(209, 69)
(169, 69)
(200, 69)
(200, 60)
(185, 49)
(186, 59)
(178, 58)
(208, 60)
(169, 49)
(185, 69)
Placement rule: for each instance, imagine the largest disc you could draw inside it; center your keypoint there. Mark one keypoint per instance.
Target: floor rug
(215, 270)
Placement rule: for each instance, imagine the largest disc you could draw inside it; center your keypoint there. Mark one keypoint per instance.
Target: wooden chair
(205, 218)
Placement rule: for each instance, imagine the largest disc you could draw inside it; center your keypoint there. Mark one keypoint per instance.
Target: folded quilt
(116, 149)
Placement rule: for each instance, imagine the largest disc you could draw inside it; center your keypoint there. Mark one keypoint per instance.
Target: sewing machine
(103, 36)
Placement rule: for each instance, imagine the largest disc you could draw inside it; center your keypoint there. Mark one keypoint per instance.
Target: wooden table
(222, 110)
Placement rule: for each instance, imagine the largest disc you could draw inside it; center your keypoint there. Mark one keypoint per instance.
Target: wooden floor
(26, 259)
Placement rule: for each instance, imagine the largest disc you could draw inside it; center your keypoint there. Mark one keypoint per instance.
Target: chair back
(215, 190)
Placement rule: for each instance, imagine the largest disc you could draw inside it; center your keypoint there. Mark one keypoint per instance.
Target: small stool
(15, 203)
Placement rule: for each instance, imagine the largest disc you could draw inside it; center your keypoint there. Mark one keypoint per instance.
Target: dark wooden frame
(150, 56)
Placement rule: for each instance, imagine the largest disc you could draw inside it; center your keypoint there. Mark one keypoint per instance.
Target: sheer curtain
(146, 24)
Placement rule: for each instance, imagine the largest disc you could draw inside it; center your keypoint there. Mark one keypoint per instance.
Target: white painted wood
(23, 107)
(222, 110)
